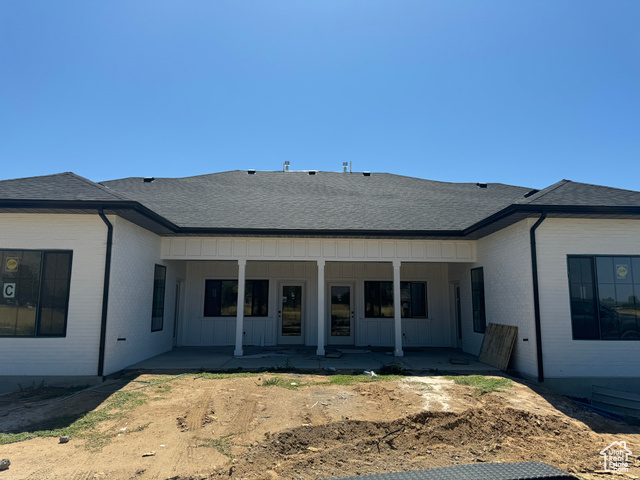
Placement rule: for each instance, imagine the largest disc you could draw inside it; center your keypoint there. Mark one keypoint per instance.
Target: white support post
(242, 263)
(397, 311)
(321, 302)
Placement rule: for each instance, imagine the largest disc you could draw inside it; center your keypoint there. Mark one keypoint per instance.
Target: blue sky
(518, 92)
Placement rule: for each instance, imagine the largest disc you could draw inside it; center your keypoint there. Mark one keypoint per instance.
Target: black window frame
(158, 297)
(48, 296)
(478, 303)
(373, 307)
(587, 284)
(215, 309)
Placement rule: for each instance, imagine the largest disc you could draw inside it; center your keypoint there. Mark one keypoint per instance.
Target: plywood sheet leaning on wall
(498, 344)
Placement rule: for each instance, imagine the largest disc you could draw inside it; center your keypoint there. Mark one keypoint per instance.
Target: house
(99, 276)
(616, 457)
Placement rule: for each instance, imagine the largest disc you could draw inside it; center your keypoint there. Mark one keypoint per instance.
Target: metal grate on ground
(483, 471)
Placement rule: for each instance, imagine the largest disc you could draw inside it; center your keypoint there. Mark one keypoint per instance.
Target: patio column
(242, 264)
(397, 311)
(321, 303)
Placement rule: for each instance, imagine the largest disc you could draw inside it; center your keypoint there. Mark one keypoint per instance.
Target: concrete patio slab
(424, 360)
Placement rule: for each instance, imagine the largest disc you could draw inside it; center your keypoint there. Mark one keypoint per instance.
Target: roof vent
(366, 174)
(285, 166)
(481, 185)
(532, 192)
(251, 171)
(345, 167)
(148, 179)
(312, 172)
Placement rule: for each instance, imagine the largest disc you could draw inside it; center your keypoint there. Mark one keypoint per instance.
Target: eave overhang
(148, 219)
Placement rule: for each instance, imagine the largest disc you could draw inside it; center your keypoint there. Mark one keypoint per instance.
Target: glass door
(341, 315)
(291, 314)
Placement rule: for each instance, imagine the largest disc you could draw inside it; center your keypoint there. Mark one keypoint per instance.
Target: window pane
(229, 300)
(20, 283)
(405, 299)
(291, 311)
(418, 299)
(477, 298)
(8, 319)
(604, 266)
(371, 299)
(159, 284)
(221, 298)
(622, 270)
(378, 299)
(212, 295)
(26, 322)
(340, 311)
(386, 299)
(584, 314)
(256, 298)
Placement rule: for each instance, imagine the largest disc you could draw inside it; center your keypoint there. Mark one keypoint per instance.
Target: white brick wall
(77, 353)
(135, 253)
(506, 260)
(563, 356)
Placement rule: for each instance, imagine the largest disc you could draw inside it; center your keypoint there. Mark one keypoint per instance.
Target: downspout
(536, 294)
(105, 292)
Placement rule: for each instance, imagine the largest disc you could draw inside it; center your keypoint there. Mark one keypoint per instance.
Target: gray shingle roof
(334, 201)
(569, 193)
(61, 187)
(324, 202)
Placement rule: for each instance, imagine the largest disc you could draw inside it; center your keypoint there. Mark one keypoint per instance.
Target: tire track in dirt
(200, 414)
(191, 424)
(246, 413)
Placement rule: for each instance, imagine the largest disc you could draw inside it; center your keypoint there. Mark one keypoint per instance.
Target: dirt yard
(300, 427)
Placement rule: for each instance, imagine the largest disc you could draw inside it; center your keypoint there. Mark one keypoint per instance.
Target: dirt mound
(425, 440)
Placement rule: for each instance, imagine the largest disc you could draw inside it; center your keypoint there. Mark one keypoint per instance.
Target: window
(35, 292)
(378, 299)
(477, 298)
(604, 294)
(413, 299)
(220, 298)
(157, 312)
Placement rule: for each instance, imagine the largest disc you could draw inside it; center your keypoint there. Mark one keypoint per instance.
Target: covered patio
(419, 360)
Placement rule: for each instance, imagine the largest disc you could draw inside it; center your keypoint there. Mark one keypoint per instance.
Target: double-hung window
(221, 298)
(35, 292)
(605, 297)
(378, 299)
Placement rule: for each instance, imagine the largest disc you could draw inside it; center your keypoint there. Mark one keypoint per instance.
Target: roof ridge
(543, 192)
(35, 176)
(97, 185)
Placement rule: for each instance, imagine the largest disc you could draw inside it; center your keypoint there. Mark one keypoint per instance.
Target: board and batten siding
(195, 329)
(208, 248)
(77, 352)
(135, 253)
(505, 257)
(563, 356)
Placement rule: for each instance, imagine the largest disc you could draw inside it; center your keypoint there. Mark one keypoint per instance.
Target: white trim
(308, 249)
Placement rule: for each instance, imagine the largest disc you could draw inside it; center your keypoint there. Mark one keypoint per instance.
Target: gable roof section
(323, 202)
(568, 193)
(71, 193)
(59, 187)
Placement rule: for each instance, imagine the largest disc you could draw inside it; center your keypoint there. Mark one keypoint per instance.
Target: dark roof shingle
(324, 201)
(59, 187)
